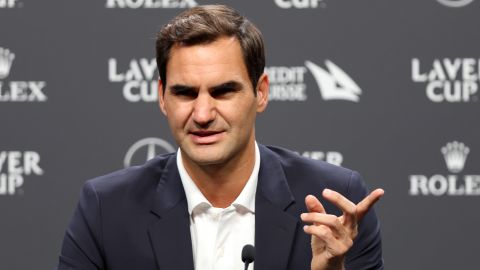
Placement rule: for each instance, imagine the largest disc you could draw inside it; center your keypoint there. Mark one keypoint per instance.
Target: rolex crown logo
(455, 154)
(6, 60)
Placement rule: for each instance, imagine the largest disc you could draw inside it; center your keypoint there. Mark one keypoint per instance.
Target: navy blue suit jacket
(137, 218)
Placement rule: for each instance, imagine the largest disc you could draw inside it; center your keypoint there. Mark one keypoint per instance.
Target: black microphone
(248, 255)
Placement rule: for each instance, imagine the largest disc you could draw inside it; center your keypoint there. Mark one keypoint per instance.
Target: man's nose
(204, 111)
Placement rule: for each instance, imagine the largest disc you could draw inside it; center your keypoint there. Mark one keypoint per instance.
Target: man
(197, 208)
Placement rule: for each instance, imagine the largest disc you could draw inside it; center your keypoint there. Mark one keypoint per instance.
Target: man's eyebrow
(178, 88)
(233, 85)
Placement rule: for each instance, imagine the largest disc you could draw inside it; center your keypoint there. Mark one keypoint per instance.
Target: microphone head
(248, 253)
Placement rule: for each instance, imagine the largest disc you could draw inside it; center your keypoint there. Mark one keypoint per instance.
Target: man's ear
(263, 87)
(161, 101)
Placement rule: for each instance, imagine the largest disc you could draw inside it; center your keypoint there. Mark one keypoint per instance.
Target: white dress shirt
(219, 234)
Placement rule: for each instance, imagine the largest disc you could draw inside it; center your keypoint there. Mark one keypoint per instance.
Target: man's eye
(186, 93)
(222, 91)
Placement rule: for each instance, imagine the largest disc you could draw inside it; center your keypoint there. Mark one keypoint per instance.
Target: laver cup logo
(17, 91)
(14, 166)
(139, 79)
(146, 149)
(455, 155)
(288, 83)
(448, 80)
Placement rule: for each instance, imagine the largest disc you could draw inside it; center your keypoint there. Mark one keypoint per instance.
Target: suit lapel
(274, 228)
(170, 232)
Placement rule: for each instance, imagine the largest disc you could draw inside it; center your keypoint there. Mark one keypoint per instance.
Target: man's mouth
(204, 133)
(205, 136)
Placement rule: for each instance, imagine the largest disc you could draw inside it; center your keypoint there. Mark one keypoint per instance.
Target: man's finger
(368, 202)
(313, 204)
(322, 232)
(348, 208)
(330, 221)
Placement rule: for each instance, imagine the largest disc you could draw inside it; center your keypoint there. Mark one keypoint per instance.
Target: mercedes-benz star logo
(146, 149)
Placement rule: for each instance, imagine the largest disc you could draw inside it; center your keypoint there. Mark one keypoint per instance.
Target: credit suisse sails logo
(455, 3)
(288, 83)
(17, 91)
(135, 4)
(455, 155)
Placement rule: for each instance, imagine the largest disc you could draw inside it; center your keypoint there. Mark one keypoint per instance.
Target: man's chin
(207, 161)
(205, 155)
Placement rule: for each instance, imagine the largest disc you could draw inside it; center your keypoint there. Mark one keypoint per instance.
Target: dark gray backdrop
(77, 122)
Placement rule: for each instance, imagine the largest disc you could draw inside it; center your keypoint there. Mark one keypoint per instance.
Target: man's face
(209, 101)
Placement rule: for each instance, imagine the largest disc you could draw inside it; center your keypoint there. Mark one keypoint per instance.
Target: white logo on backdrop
(288, 83)
(134, 4)
(300, 4)
(455, 3)
(334, 84)
(18, 91)
(455, 154)
(9, 3)
(6, 61)
(140, 79)
(146, 149)
(14, 165)
(332, 157)
(449, 80)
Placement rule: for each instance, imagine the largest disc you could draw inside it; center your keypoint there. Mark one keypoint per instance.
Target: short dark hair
(205, 24)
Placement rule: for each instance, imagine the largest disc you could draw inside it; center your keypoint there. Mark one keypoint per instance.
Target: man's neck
(222, 183)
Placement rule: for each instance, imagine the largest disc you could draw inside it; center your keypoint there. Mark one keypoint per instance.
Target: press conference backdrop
(388, 88)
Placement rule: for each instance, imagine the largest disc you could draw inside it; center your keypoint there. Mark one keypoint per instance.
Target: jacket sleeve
(366, 252)
(82, 244)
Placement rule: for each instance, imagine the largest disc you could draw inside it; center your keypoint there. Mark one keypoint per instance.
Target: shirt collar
(195, 198)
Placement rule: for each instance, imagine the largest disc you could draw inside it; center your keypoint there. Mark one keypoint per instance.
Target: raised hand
(333, 236)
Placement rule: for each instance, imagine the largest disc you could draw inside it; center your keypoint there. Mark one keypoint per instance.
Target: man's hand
(333, 236)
